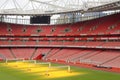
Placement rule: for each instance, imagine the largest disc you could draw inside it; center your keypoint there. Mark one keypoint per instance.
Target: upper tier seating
(104, 25)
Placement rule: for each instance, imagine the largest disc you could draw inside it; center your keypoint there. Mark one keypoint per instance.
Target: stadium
(59, 39)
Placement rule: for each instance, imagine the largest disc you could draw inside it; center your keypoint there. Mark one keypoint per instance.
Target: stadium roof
(48, 6)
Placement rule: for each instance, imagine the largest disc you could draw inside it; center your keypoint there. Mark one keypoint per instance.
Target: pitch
(32, 71)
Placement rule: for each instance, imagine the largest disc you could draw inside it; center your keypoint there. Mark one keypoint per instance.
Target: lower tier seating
(24, 53)
(39, 51)
(105, 58)
(5, 53)
(101, 57)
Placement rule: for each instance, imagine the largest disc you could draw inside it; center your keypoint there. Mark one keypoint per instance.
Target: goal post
(19, 59)
(10, 60)
(34, 61)
(67, 66)
(6, 61)
(44, 63)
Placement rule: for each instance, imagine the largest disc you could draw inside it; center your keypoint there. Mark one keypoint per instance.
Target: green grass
(7, 73)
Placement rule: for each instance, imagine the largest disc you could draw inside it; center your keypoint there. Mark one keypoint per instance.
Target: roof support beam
(56, 6)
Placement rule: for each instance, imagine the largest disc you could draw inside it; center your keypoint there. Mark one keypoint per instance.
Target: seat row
(64, 43)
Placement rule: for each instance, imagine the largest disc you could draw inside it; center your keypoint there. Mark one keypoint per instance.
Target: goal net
(44, 63)
(67, 67)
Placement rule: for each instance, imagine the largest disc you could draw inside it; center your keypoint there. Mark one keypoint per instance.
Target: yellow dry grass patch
(61, 73)
(45, 71)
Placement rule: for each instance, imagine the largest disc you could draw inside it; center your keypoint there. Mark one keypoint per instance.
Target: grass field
(31, 71)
